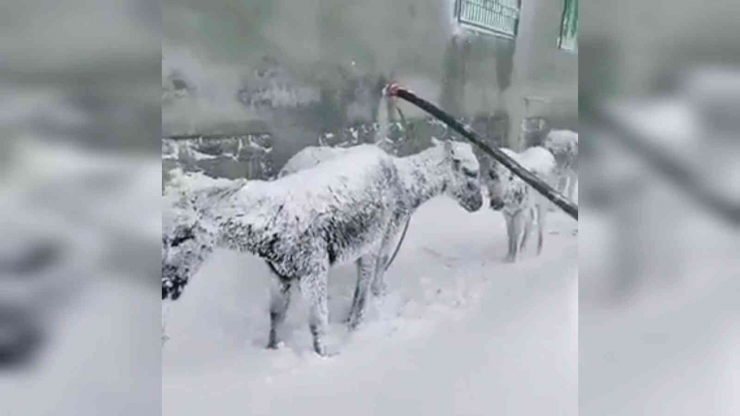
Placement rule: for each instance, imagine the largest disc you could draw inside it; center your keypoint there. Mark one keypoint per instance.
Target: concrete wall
(299, 68)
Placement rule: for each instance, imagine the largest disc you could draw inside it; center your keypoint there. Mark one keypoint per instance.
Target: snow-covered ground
(460, 333)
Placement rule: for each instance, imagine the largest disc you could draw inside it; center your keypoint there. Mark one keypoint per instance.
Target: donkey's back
(344, 202)
(310, 157)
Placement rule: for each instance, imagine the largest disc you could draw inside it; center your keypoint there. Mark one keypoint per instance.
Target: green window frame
(568, 39)
(496, 17)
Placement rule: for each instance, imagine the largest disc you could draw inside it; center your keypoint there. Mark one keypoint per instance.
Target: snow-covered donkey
(309, 157)
(563, 144)
(343, 210)
(312, 156)
(520, 203)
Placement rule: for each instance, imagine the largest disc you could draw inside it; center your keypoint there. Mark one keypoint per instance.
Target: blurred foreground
(660, 182)
(79, 197)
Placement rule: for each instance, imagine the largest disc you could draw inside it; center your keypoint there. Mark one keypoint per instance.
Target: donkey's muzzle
(497, 204)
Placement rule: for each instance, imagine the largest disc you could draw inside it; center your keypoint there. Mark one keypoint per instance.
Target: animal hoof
(380, 293)
(353, 324)
(322, 352)
(274, 345)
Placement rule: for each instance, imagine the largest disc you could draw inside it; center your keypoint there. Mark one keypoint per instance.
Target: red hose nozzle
(392, 89)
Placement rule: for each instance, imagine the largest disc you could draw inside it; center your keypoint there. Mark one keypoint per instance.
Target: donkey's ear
(449, 150)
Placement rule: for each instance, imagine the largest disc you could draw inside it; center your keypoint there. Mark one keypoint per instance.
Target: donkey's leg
(356, 295)
(279, 301)
(541, 214)
(366, 266)
(511, 237)
(572, 184)
(165, 311)
(518, 229)
(527, 219)
(561, 185)
(378, 286)
(314, 290)
(563, 182)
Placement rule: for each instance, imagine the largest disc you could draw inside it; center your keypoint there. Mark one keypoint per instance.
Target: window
(569, 27)
(498, 17)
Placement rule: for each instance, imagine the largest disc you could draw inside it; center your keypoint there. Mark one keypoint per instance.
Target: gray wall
(298, 68)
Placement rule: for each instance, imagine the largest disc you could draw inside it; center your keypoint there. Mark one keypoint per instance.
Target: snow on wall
(248, 156)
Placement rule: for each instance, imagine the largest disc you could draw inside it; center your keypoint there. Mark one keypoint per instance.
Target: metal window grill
(499, 17)
(569, 27)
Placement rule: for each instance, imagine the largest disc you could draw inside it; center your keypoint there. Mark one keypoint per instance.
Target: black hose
(527, 176)
(398, 247)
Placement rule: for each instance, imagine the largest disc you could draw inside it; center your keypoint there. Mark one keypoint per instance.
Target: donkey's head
(462, 174)
(504, 188)
(186, 242)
